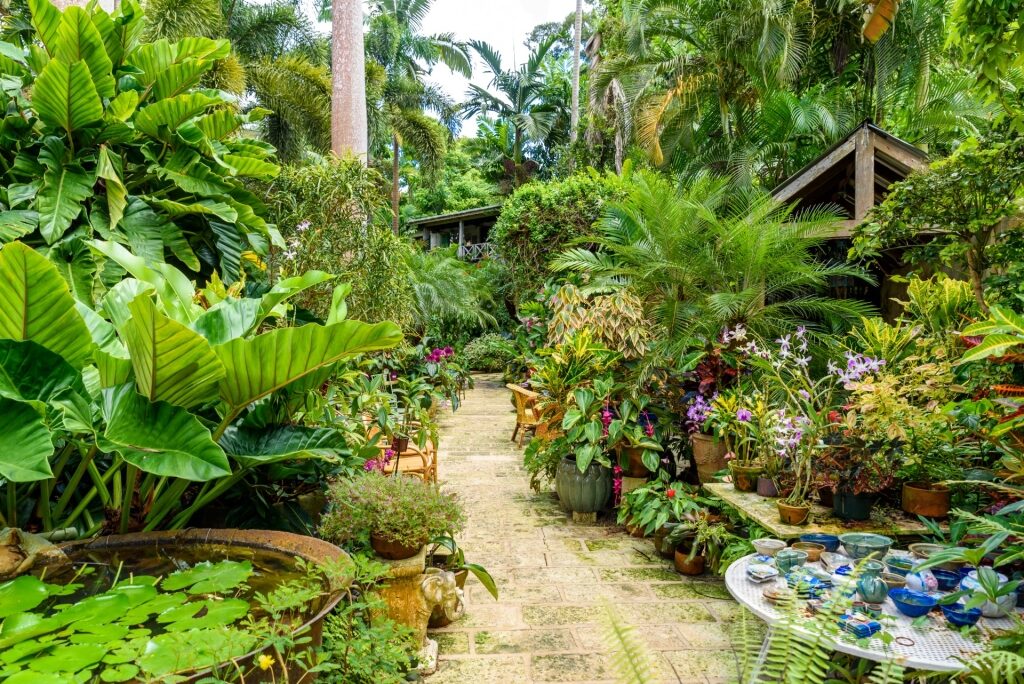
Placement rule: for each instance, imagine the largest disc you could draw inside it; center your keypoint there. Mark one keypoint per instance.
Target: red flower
(670, 493)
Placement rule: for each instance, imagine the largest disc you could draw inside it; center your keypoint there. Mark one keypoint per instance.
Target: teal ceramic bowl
(860, 545)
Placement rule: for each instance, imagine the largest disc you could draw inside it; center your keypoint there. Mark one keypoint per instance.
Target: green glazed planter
(586, 492)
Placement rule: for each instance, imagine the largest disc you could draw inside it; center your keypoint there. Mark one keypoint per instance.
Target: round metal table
(935, 647)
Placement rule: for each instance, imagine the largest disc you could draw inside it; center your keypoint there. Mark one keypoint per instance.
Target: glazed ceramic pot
(870, 585)
(583, 492)
(922, 581)
(990, 609)
(744, 478)
(709, 456)
(689, 566)
(787, 559)
(850, 506)
(931, 501)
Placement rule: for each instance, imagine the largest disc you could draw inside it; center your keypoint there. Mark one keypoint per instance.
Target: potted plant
(857, 472)
(985, 587)
(397, 515)
(657, 507)
(739, 418)
(699, 545)
(633, 432)
(453, 559)
(583, 480)
(930, 457)
(716, 370)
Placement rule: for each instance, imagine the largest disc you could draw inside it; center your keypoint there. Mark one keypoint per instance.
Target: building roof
(440, 221)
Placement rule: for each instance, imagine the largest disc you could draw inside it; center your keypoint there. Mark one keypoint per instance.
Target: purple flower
(805, 394)
(744, 415)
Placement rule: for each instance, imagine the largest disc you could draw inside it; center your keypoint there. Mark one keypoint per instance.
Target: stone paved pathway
(554, 576)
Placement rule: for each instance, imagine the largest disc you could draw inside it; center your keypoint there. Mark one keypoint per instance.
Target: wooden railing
(476, 252)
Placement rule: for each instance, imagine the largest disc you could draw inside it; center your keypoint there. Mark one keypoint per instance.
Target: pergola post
(462, 239)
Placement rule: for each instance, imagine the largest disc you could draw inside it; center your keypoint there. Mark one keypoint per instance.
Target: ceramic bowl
(829, 541)
(831, 561)
(958, 615)
(924, 550)
(912, 603)
(894, 581)
(768, 547)
(812, 550)
(946, 579)
(899, 565)
(787, 559)
(860, 545)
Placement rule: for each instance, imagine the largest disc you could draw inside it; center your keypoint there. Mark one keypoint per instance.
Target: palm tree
(403, 97)
(348, 86)
(574, 119)
(703, 258)
(518, 96)
(446, 291)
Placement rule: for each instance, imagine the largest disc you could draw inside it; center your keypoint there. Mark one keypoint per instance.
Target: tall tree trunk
(348, 79)
(574, 116)
(394, 183)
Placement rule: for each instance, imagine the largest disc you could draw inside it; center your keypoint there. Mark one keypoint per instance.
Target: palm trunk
(574, 116)
(348, 80)
(394, 183)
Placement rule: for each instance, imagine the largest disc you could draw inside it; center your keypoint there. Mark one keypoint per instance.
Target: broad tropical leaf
(17, 223)
(25, 445)
(78, 40)
(65, 97)
(159, 438)
(993, 345)
(163, 117)
(35, 305)
(30, 372)
(228, 319)
(46, 18)
(171, 362)
(117, 194)
(172, 287)
(60, 199)
(256, 367)
(250, 446)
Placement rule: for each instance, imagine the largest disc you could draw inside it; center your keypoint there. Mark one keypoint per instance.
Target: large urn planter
(931, 501)
(708, 455)
(850, 506)
(583, 492)
(744, 478)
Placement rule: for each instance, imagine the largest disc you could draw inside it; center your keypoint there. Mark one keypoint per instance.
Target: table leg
(762, 658)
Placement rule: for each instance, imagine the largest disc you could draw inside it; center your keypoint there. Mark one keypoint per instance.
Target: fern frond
(630, 659)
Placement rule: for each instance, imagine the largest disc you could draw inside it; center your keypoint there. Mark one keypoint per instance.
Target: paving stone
(452, 643)
(512, 593)
(661, 612)
(643, 574)
(570, 667)
(595, 593)
(543, 616)
(523, 641)
(477, 669)
(696, 663)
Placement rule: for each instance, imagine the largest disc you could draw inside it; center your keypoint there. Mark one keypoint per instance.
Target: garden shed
(855, 175)
(469, 229)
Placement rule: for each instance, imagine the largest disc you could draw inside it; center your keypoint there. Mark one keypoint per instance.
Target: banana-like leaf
(172, 287)
(339, 305)
(30, 372)
(256, 367)
(177, 78)
(112, 370)
(35, 305)
(104, 335)
(171, 362)
(59, 200)
(65, 97)
(286, 288)
(25, 445)
(248, 446)
(117, 299)
(123, 106)
(163, 117)
(78, 40)
(46, 20)
(117, 194)
(17, 223)
(76, 265)
(249, 166)
(159, 438)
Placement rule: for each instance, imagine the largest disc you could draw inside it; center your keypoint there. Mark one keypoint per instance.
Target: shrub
(334, 216)
(540, 220)
(401, 510)
(488, 353)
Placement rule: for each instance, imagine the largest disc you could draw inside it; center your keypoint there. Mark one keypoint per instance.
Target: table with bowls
(933, 646)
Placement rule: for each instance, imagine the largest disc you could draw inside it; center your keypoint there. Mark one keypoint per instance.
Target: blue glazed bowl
(947, 579)
(829, 541)
(860, 545)
(899, 565)
(959, 616)
(912, 603)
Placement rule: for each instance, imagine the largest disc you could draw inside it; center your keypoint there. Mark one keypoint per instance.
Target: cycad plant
(703, 259)
(446, 293)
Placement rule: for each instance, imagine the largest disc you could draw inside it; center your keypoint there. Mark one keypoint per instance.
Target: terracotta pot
(586, 492)
(766, 487)
(635, 531)
(400, 445)
(709, 455)
(634, 466)
(392, 550)
(826, 496)
(687, 566)
(793, 515)
(931, 501)
(663, 549)
(744, 478)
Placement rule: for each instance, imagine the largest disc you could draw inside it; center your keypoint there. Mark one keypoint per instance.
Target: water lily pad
(207, 577)
(22, 626)
(30, 677)
(21, 594)
(23, 650)
(154, 606)
(99, 634)
(70, 658)
(178, 651)
(119, 673)
(182, 612)
(97, 610)
(136, 593)
(212, 614)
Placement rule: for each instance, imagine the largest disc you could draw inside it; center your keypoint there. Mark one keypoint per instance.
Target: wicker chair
(527, 416)
(415, 461)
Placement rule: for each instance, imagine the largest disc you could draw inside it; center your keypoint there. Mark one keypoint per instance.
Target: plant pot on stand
(744, 478)
(708, 455)
(793, 514)
(850, 506)
(766, 487)
(584, 493)
(392, 550)
(929, 500)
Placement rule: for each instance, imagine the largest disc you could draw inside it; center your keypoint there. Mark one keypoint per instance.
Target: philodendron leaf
(256, 367)
(64, 96)
(25, 445)
(30, 372)
(172, 287)
(159, 438)
(172, 363)
(36, 305)
(274, 444)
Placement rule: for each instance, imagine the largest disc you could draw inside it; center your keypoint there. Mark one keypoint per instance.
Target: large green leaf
(46, 19)
(256, 367)
(227, 320)
(250, 446)
(993, 345)
(77, 266)
(163, 117)
(25, 445)
(178, 78)
(171, 362)
(287, 288)
(64, 96)
(30, 372)
(117, 194)
(78, 39)
(17, 223)
(60, 199)
(172, 287)
(35, 304)
(159, 438)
